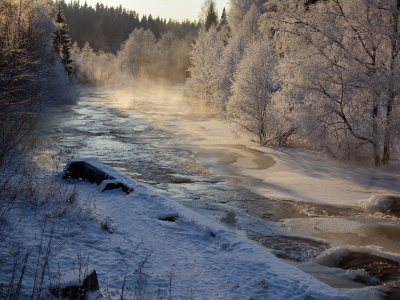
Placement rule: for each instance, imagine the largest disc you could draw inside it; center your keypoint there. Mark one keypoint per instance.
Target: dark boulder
(77, 292)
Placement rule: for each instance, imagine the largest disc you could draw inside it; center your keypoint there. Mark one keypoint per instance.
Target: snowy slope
(222, 267)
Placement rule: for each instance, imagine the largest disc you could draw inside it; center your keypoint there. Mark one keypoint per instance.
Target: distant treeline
(105, 28)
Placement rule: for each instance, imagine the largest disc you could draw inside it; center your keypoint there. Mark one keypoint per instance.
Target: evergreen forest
(106, 28)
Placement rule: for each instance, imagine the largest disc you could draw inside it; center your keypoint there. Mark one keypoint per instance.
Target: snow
(299, 174)
(224, 267)
(201, 255)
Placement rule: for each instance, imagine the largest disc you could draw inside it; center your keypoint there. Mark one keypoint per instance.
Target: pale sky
(175, 9)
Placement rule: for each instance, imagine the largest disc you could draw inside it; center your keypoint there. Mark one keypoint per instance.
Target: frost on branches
(344, 76)
(335, 80)
(207, 51)
(251, 104)
(141, 56)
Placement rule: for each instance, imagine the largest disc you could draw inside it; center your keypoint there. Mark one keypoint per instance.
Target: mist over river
(139, 132)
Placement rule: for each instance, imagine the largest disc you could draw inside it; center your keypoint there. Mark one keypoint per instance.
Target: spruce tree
(227, 33)
(211, 18)
(62, 41)
(224, 19)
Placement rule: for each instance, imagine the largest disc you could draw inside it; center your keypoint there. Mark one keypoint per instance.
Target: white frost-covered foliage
(249, 27)
(141, 55)
(49, 79)
(251, 104)
(172, 57)
(166, 48)
(232, 56)
(239, 8)
(96, 68)
(205, 55)
(340, 70)
(138, 52)
(237, 81)
(30, 76)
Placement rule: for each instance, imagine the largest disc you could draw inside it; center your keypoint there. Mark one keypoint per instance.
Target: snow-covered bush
(230, 217)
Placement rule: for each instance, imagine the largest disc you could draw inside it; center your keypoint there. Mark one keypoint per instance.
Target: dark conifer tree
(144, 22)
(224, 19)
(62, 42)
(211, 18)
(224, 22)
(106, 27)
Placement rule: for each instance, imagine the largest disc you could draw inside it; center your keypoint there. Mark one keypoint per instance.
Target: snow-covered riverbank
(298, 174)
(201, 257)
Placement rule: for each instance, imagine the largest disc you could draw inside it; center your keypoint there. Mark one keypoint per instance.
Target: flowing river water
(138, 133)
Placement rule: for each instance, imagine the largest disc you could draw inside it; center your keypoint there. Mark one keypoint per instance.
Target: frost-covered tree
(106, 68)
(181, 59)
(249, 27)
(62, 41)
(29, 75)
(85, 68)
(392, 107)
(137, 53)
(172, 59)
(341, 62)
(238, 9)
(167, 47)
(251, 105)
(204, 57)
(140, 56)
(224, 76)
(95, 68)
(215, 87)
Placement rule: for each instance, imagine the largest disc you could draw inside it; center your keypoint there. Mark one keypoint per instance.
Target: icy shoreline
(298, 174)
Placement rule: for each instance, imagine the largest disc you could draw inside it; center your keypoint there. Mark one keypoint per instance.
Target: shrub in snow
(106, 225)
(230, 217)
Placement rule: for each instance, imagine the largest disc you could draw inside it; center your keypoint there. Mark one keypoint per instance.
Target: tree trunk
(377, 157)
(387, 137)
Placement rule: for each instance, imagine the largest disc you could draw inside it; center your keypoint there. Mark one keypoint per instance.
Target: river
(139, 133)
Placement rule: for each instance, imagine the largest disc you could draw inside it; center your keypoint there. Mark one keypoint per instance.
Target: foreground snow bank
(203, 256)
